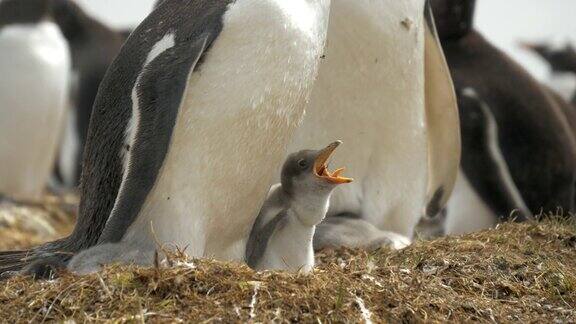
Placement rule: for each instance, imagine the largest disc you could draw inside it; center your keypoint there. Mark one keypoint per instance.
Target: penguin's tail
(34, 261)
(14, 261)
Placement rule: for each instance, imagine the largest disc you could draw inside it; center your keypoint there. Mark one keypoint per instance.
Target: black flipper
(260, 237)
(159, 81)
(160, 91)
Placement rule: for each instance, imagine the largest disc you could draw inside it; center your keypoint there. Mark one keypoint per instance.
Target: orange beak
(321, 166)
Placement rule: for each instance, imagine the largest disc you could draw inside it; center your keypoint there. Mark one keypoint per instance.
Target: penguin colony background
(496, 159)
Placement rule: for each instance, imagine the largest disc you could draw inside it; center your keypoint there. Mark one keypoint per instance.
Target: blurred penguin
(562, 61)
(93, 47)
(35, 65)
(513, 166)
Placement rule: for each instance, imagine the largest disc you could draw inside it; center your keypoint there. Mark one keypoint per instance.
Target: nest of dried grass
(517, 272)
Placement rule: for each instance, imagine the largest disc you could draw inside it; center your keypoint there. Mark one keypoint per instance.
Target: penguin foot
(354, 232)
(45, 268)
(95, 258)
(433, 226)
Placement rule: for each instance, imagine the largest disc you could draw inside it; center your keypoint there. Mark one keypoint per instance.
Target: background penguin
(281, 238)
(93, 47)
(35, 65)
(561, 84)
(384, 88)
(518, 161)
(189, 126)
(562, 62)
(480, 148)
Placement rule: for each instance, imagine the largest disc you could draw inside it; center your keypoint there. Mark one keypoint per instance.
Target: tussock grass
(517, 272)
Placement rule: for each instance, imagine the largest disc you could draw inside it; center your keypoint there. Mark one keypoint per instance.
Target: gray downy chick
(282, 236)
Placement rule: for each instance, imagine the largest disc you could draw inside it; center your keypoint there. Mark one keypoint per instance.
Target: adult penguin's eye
(303, 164)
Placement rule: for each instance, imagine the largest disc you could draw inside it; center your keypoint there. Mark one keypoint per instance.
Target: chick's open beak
(321, 166)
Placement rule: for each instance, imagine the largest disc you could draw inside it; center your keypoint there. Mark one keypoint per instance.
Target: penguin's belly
(370, 94)
(467, 212)
(238, 115)
(35, 65)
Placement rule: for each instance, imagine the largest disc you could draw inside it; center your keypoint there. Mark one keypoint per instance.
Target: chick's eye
(303, 164)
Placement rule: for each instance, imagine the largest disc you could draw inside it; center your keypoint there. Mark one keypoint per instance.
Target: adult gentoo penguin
(35, 63)
(190, 124)
(512, 164)
(281, 238)
(385, 90)
(93, 47)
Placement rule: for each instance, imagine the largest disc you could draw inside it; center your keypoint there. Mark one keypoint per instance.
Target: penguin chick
(282, 236)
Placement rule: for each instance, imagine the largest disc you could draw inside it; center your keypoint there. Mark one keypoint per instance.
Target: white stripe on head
(496, 153)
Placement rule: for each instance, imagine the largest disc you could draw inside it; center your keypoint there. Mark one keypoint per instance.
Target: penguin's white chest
(370, 94)
(467, 212)
(239, 113)
(35, 65)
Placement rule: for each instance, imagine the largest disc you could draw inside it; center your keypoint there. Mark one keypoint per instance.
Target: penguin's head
(454, 18)
(306, 172)
(71, 19)
(23, 12)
